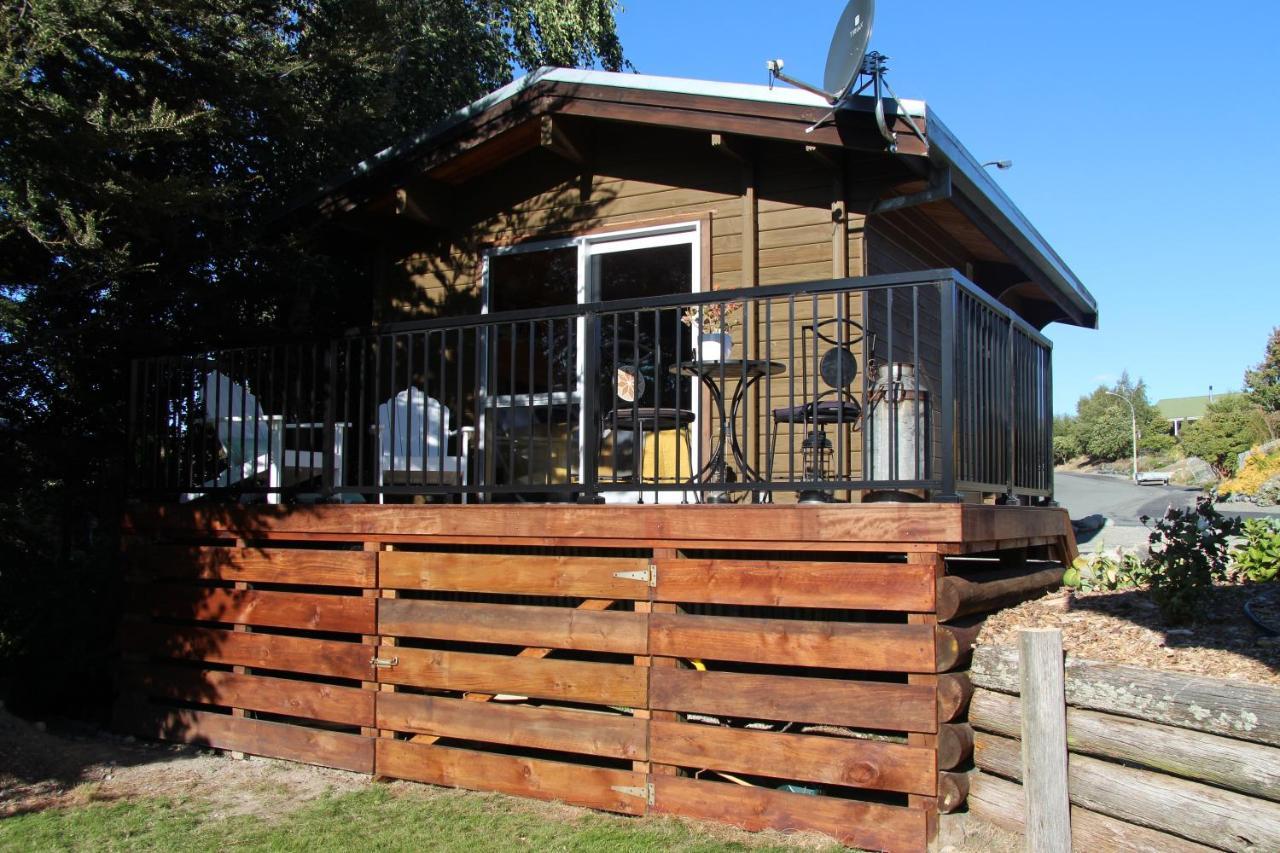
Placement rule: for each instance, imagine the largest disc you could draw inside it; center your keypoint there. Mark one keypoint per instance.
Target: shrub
(1188, 554)
(1256, 471)
(1230, 427)
(1106, 572)
(1258, 558)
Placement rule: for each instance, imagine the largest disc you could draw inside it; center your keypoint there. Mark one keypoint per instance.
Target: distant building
(1180, 411)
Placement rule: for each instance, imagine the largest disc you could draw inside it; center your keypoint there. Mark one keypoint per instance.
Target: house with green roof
(1180, 411)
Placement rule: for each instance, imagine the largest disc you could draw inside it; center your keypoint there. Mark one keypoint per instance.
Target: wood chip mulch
(1125, 627)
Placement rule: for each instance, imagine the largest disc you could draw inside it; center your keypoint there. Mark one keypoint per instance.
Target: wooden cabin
(691, 431)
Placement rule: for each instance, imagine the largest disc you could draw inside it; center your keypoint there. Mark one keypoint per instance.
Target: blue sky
(1144, 137)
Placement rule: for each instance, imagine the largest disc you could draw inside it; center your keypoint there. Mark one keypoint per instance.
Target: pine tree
(1263, 381)
(142, 147)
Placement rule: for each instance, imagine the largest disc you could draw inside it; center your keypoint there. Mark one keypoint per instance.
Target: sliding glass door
(534, 384)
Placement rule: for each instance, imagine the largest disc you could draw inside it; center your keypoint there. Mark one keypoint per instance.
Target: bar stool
(837, 368)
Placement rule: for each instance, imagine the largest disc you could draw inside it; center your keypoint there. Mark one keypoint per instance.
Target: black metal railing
(904, 387)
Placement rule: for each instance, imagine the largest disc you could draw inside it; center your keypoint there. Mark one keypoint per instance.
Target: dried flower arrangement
(712, 317)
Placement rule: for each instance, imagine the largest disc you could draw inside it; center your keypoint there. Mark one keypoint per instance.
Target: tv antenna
(849, 65)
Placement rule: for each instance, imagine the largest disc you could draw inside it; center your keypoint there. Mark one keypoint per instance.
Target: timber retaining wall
(1157, 761)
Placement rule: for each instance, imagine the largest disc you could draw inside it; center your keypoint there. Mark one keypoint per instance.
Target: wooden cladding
(513, 624)
(583, 665)
(560, 729)
(588, 577)
(864, 586)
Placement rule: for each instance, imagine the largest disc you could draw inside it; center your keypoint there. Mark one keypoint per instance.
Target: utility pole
(1133, 419)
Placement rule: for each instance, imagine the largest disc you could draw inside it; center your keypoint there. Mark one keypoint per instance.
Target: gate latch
(649, 575)
(383, 663)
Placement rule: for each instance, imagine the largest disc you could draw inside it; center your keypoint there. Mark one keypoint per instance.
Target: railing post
(1014, 389)
(330, 454)
(1046, 425)
(590, 408)
(948, 408)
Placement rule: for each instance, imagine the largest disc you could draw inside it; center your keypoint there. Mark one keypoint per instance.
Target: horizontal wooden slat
(593, 787)
(624, 525)
(829, 701)
(517, 625)
(810, 758)
(259, 565)
(870, 826)
(585, 577)
(257, 737)
(265, 651)
(614, 736)
(548, 678)
(884, 648)
(864, 586)
(328, 702)
(307, 611)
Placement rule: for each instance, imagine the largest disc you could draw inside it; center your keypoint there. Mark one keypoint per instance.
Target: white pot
(714, 346)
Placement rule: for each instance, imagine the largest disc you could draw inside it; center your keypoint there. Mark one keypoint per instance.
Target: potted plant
(711, 324)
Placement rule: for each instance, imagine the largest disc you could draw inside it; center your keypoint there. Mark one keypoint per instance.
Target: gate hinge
(645, 791)
(649, 575)
(383, 663)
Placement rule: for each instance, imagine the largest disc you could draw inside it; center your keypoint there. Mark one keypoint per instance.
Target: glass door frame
(588, 290)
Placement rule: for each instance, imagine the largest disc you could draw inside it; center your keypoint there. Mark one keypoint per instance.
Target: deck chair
(413, 431)
(253, 440)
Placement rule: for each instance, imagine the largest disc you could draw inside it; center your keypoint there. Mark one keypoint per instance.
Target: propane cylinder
(899, 434)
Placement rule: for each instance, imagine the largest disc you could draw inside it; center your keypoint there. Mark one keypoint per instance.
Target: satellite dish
(848, 47)
(848, 62)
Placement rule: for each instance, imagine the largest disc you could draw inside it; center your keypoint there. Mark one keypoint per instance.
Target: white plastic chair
(254, 441)
(413, 430)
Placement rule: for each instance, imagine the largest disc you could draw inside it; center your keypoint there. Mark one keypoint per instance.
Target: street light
(1133, 414)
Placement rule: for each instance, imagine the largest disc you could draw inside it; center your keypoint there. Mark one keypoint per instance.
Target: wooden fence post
(1044, 741)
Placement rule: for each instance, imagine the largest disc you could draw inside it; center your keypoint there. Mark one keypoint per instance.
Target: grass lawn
(375, 818)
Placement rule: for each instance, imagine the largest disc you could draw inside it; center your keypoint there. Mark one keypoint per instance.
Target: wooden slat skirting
(602, 656)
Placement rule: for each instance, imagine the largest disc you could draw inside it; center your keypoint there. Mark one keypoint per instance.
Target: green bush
(1108, 572)
(1230, 427)
(1259, 558)
(1189, 552)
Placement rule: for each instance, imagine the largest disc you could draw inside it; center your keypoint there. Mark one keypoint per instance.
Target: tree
(142, 147)
(1230, 426)
(1262, 383)
(1066, 439)
(1104, 427)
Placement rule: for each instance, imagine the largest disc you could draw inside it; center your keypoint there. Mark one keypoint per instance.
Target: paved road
(1122, 503)
(1118, 499)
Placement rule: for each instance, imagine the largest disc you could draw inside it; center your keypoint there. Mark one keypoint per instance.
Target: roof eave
(976, 184)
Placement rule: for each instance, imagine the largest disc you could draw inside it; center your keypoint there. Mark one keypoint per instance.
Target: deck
(788, 667)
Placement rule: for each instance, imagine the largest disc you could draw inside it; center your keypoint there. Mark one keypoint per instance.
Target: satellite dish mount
(851, 70)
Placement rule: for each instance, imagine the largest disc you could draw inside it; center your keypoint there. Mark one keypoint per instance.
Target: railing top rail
(680, 300)
(860, 284)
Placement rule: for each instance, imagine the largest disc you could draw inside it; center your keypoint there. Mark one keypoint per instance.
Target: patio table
(715, 376)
